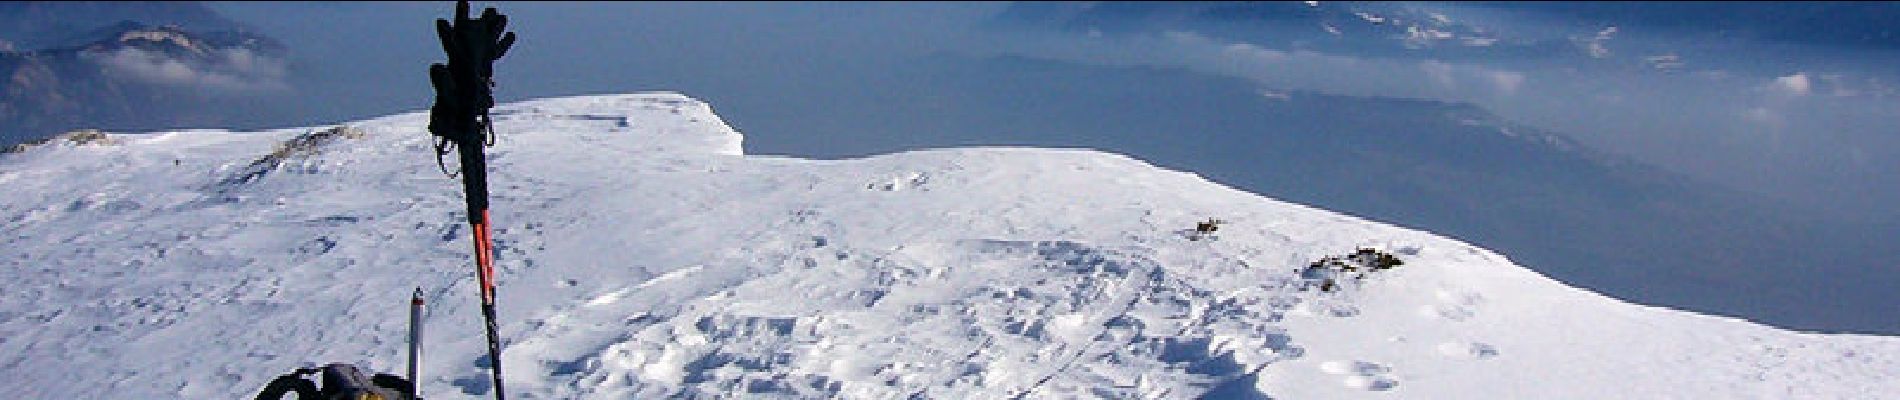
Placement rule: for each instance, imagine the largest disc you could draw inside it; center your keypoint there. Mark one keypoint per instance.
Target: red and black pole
(460, 117)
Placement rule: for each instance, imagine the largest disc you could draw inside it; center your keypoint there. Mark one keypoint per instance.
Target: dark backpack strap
(289, 383)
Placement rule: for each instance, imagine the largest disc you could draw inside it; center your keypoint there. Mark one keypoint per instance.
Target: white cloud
(1302, 69)
(230, 70)
(1797, 84)
(1297, 70)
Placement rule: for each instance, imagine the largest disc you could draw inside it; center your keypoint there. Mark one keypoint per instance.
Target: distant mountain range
(1478, 29)
(1863, 24)
(1382, 27)
(33, 25)
(70, 66)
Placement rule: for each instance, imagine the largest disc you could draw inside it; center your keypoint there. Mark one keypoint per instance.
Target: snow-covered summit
(641, 254)
(661, 122)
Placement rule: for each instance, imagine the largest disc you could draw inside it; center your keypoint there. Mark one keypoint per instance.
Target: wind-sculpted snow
(641, 255)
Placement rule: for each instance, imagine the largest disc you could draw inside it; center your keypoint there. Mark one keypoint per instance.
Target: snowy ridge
(642, 255)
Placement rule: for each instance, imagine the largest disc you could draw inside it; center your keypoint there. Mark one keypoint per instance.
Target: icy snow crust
(641, 255)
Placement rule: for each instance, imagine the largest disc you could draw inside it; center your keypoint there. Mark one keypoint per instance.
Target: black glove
(462, 86)
(473, 45)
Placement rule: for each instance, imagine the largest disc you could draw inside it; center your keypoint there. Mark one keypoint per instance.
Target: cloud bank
(223, 70)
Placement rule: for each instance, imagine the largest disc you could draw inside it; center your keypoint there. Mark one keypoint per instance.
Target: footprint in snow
(1460, 297)
(1457, 304)
(1339, 367)
(1468, 350)
(1362, 374)
(1373, 383)
(1448, 312)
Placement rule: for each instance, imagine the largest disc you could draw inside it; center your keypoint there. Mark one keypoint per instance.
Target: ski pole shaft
(415, 343)
(485, 258)
(485, 272)
(494, 350)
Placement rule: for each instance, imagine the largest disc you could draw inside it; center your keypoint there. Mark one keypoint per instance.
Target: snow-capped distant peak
(171, 36)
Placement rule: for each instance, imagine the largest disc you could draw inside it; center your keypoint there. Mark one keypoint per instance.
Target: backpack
(340, 382)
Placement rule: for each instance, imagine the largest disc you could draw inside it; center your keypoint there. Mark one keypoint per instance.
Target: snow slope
(642, 255)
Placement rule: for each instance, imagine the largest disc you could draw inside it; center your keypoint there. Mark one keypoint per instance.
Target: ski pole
(415, 343)
(460, 116)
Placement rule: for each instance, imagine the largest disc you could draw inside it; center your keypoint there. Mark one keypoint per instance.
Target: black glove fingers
(461, 13)
(499, 25)
(489, 31)
(507, 41)
(488, 18)
(447, 33)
